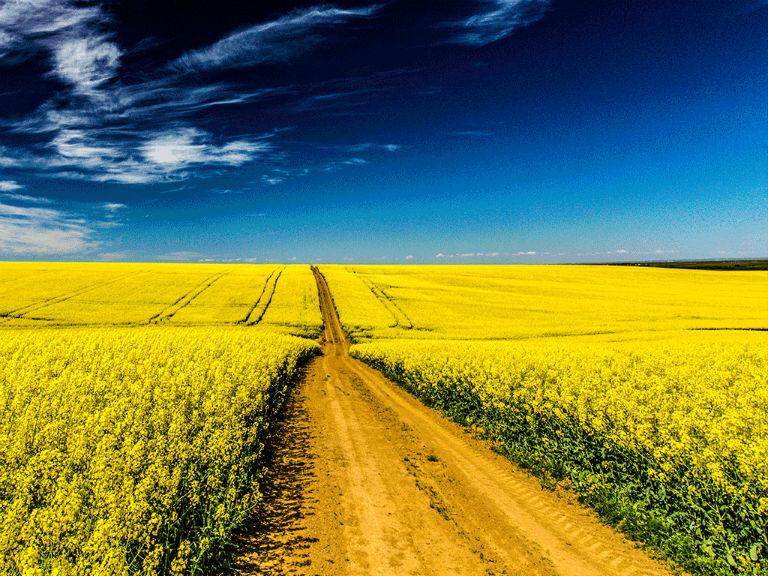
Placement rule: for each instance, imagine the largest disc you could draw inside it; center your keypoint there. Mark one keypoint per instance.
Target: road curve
(367, 480)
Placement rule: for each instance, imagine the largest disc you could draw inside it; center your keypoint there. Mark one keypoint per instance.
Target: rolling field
(279, 298)
(502, 302)
(136, 401)
(642, 389)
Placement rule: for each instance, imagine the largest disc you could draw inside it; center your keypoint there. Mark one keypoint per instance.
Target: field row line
(169, 311)
(19, 312)
(256, 313)
(400, 317)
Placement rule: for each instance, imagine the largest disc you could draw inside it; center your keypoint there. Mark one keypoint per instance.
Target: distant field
(279, 298)
(493, 302)
(706, 264)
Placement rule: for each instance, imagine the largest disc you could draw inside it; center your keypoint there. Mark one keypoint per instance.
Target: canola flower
(133, 450)
(667, 437)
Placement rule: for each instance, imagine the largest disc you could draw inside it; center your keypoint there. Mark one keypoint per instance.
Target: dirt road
(367, 480)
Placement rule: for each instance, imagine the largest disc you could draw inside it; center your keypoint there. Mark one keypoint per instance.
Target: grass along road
(367, 480)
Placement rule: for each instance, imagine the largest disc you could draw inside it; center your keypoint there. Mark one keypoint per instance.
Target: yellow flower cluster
(133, 450)
(667, 436)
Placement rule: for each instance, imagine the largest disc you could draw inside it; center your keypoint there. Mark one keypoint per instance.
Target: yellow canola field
(283, 298)
(133, 450)
(499, 302)
(295, 305)
(665, 434)
(279, 298)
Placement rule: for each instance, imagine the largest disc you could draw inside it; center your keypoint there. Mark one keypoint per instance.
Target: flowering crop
(133, 450)
(481, 302)
(282, 298)
(666, 436)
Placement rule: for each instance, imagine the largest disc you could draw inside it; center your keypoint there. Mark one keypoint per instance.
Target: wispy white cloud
(34, 230)
(272, 180)
(468, 255)
(7, 158)
(497, 20)
(9, 186)
(276, 41)
(103, 128)
(113, 207)
(86, 63)
(84, 149)
(34, 21)
(25, 198)
(81, 54)
(162, 156)
(336, 164)
(181, 148)
(98, 129)
(346, 99)
(364, 146)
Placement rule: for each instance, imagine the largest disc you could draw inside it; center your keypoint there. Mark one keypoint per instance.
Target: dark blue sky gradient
(485, 131)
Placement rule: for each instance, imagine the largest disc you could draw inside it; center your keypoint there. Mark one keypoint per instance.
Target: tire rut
(21, 312)
(265, 299)
(169, 312)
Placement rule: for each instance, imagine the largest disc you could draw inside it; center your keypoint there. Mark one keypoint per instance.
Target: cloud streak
(186, 147)
(277, 41)
(160, 156)
(468, 255)
(365, 146)
(9, 186)
(35, 230)
(497, 20)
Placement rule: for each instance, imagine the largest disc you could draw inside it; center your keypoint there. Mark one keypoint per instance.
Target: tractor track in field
(22, 311)
(401, 318)
(185, 299)
(267, 293)
(261, 295)
(364, 479)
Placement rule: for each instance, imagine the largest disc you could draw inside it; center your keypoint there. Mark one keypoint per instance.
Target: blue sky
(481, 131)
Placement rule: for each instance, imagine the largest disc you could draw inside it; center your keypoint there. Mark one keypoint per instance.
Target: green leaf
(754, 550)
(731, 561)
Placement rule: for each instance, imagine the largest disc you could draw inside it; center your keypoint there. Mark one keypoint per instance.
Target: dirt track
(367, 480)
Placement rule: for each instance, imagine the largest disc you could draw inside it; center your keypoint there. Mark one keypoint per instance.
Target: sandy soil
(364, 479)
